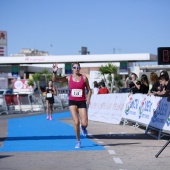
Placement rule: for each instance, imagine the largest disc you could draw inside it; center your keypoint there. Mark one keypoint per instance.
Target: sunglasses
(78, 68)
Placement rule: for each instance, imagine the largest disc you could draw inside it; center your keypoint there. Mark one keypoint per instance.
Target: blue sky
(62, 27)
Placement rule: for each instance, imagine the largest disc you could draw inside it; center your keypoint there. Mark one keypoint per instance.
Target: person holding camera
(133, 83)
(165, 83)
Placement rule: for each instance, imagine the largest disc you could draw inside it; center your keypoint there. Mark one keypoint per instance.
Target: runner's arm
(58, 79)
(89, 90)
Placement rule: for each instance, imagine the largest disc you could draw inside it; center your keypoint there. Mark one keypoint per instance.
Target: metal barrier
(61, 100)
(19, 103)
(3, 106)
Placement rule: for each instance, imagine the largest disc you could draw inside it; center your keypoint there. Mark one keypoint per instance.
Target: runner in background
(77, 98)
(50, 92)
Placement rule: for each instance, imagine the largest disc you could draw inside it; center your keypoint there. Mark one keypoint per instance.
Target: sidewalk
(123, 148)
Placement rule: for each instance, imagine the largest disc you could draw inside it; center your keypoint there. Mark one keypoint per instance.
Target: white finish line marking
(100, 142)
(96, 139)
(107, 146)
(117, 160)
(90, 135)
(112, 152)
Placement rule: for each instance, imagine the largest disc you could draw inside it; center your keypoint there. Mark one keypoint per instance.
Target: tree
(48, 76)
(118, 81)
(37, 77)
(109, 73)
(31, 84)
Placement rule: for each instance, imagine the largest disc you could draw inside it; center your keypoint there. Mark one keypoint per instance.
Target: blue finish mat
(35, 133)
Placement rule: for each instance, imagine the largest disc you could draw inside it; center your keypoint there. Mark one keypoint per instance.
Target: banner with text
(148, 110)
(107, 107)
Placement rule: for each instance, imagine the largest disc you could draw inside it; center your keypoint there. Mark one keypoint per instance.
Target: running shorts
(79, 104)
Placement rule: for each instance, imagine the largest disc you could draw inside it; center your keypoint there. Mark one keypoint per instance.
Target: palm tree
(109, 70)
(118, 81)
(31, 84)
(103, 70)
(37, 77)
(46, 74)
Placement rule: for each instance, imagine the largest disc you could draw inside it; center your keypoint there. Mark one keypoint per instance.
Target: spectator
(144, 87)
(163, 73)
(133, 83)
(95, 88)
(154, 82)
(103, 89)
(165, 83)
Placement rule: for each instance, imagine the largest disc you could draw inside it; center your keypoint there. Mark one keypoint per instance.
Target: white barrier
(149, 111)
(139, 108)
(107, 107)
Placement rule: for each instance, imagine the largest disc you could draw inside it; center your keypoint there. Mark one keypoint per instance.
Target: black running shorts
(79, 104)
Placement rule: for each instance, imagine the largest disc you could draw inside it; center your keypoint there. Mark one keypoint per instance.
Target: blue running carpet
(35, 133)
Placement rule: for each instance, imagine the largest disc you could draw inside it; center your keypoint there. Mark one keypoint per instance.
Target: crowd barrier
(143, 110)
(61, 100)
(19, 103)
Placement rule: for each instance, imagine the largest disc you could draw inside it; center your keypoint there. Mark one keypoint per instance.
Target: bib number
(49, 95)
(77, 92)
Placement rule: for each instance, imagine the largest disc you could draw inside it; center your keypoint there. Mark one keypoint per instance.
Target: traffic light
(164, 56)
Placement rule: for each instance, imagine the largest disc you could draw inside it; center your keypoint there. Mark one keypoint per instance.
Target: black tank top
(49, 90)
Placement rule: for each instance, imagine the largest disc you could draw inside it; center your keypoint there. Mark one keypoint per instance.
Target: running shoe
(84, 131)
(47, 117)
(51, 118)
(78, 144)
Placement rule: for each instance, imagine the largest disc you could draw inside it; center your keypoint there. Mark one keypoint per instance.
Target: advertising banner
(161, 114)
(21, 86)
(3, 43)
(148, 110)
(3, 38)
(107, 107)
(139, 108)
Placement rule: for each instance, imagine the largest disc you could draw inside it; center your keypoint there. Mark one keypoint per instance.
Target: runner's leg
(51, 109)
(75, 117)
(83, 116)
(47, 109)
(84, 121)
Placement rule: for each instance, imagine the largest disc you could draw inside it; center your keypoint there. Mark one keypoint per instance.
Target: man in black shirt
(165, 83)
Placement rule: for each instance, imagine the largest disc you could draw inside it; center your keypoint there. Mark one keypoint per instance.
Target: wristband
(54, 72)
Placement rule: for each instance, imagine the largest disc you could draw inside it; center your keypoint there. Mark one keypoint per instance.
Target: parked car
(8, 96)
(124, 90)
(5, 91)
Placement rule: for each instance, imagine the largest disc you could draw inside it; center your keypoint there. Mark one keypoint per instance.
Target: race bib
(77, 92)
(49, 95)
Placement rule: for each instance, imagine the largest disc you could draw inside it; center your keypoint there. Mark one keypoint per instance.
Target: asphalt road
(126, 148)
